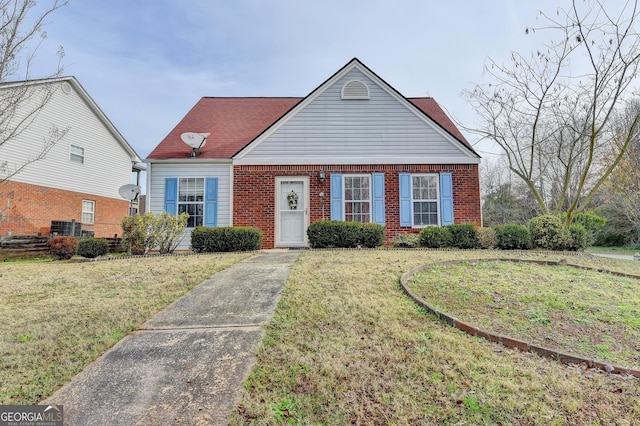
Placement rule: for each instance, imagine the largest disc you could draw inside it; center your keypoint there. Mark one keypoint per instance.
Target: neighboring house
(353, 149)
(75, 186)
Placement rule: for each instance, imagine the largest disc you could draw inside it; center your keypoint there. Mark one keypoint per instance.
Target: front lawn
(57, 317)
(346, 346)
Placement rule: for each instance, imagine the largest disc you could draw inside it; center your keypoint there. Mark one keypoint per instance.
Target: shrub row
(225, 239)
(340, 234)
(545, 232)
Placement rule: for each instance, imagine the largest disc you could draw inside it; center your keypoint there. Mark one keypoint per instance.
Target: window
(88, 211)
(196, 196)
(191, 200)
(357, 199)
(426, 199)
(76, 154)
(424, 196)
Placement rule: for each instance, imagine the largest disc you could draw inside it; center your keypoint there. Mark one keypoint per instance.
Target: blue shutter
(171, 195)
(378, 198)
(405, 199)
(211, 202)
(446, 199)
(336, 196)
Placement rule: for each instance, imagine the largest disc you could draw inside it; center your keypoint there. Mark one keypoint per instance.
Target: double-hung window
(197, 197)
(88, 211)
(76, 154)
(357, 198)
(424, 199)
(191, 200)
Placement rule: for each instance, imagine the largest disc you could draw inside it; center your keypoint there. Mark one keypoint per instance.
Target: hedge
(225, 239)
(341, 234)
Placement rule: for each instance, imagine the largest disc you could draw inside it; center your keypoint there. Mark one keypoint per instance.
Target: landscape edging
(506, 340)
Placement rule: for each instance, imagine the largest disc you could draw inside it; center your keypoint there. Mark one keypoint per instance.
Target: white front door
(292, 208)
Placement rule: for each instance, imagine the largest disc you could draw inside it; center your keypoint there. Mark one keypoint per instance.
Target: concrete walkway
(185, 365)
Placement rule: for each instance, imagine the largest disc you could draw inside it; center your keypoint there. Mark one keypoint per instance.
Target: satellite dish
(129, 192)
(194, 140)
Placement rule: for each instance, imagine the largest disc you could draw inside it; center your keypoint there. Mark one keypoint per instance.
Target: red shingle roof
(235, 122)
(232, 122)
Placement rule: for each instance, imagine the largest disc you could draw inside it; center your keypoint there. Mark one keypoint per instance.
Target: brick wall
(254, 193)
(32, 208)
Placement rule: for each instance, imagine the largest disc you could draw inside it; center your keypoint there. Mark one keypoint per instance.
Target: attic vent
(355, 89)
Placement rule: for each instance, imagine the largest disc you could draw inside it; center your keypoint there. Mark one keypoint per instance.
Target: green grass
(590, 313)
(57, 317)
(346, 346)
(614, 250)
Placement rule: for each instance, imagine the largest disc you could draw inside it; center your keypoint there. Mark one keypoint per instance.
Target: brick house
(75, 187)
(353, 149)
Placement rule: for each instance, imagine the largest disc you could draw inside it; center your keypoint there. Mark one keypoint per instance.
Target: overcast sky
(147, 62)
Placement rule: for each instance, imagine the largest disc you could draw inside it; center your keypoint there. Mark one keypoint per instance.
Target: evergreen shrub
(464, 236)
(578, 239)
(548, 232)
(225, 239)
(436, 237)
(512, 237)
(92, 247)
(342, 234)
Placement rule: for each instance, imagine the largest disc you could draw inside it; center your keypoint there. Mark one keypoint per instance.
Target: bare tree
(620, 194)
(22, 30)
(551, 113)
(505, 198)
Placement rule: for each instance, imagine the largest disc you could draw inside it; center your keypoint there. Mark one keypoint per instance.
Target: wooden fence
(27, 246)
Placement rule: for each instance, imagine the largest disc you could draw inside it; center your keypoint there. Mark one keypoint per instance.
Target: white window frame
(435, 176)
(88, 213)
(76, 154)
(193, 220)
(344, 196)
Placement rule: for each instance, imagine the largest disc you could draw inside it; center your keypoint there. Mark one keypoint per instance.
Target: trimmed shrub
(225, 239)
(62, 248)
(487, 238)
(92, 247)
(578, 237)
(406, 241)
(548, 232)
(436, 237)
(513, 237)
(371, 235)
(341, 234)
(334, 234)
(464, 236)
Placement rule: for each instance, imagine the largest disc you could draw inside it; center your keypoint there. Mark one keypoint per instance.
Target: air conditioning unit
(63, 228)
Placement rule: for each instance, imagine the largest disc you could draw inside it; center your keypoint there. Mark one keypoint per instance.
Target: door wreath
(292, 198)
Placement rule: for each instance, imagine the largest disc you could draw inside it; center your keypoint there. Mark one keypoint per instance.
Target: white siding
(107, 166)
(157, 174)
(332, 129)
